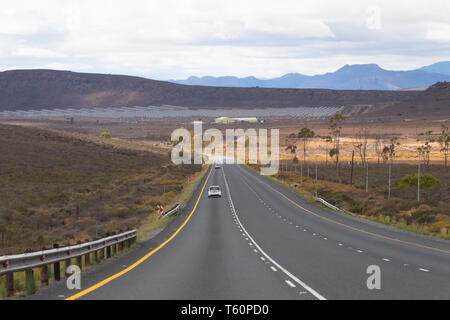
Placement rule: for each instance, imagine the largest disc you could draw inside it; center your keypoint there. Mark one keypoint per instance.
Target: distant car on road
(214, 191)
(217, 166)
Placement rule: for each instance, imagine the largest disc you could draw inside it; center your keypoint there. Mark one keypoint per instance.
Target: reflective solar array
(159, 112)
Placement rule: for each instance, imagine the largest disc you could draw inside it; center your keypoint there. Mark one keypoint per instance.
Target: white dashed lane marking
(314, 234)
(247, 236)
(290, 283)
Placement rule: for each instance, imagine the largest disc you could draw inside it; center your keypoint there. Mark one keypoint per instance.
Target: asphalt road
(263, 241)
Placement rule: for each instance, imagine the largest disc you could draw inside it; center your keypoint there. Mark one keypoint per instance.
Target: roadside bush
(423, 217)
(386, 212)
(438, 226)
(409, 181)
(105, 134)
(357, 207)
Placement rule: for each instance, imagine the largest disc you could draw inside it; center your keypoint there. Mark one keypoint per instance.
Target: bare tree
(335, 127)
(379, 147)
(326, 149)
(444, 142)
(360, 144)
(391, 152)
(425, 148)
(293, 149)
(305, 135)
(292, 146)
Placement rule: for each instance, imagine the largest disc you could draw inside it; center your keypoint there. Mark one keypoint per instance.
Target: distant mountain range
(349, 77)
(440, 67)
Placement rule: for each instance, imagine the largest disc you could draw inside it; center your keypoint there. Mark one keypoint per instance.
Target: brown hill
(36, 89)
(433, 102)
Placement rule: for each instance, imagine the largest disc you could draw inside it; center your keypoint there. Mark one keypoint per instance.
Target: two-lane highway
(262, 241)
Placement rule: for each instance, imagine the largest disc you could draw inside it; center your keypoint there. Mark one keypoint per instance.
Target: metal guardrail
(329, 205)
(172, 211)
(20, 262)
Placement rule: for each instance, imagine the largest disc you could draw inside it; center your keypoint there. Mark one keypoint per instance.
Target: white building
(225, 120)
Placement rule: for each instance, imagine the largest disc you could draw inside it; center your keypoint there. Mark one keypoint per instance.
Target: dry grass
(154, 220)
(56, 187)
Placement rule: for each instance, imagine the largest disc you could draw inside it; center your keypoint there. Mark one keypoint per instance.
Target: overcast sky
(171, 39)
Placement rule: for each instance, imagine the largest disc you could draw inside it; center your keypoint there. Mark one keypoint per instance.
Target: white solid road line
(290, 275)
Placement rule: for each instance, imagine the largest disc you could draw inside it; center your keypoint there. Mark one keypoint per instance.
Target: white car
(214, 191)
(217, 166)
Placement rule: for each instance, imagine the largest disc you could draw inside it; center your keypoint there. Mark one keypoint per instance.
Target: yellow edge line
(148, 255)
(350, 227)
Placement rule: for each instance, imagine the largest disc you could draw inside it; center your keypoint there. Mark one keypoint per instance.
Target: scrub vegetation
(58, 187)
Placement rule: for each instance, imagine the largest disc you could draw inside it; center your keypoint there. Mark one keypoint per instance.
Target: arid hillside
(60, 187)
(38, 89)
(431, 103)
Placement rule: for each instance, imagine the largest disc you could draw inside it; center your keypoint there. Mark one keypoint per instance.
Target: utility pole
(316, 171)
(418, 181)
(367, 176)
(390, 169)
(351, 173)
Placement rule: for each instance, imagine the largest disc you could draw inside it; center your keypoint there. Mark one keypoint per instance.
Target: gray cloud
(174, 39)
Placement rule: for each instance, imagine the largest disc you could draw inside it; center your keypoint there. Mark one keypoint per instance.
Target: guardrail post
(10, 284)
(29, 278)
(113, 249)
(80, 259)
(108, 249)
(67, 263)
(102, 253)
(44, 275)
(87, 257)
(80, 262)
(114, 246)
(56, 266)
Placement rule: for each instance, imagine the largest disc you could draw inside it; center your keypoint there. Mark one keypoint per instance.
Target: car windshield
(214, 188)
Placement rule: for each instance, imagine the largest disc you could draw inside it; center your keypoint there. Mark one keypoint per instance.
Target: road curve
(262, 241)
